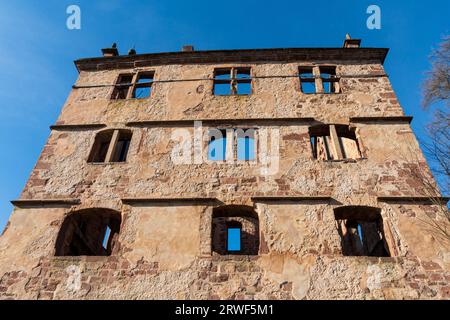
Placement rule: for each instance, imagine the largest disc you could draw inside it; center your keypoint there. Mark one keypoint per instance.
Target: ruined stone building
(230, 174)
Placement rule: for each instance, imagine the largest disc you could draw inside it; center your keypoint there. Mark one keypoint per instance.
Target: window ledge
(107, 163)
(232, 95)
(322, 94)
(346, 160)
(238, 163)
(131, 99)
(43, 202)
(82, 258)
(234, 257)
(372, 259)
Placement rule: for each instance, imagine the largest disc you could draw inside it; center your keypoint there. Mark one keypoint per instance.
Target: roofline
(232, 56)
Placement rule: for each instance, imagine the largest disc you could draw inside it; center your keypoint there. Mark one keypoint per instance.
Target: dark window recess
(361, 231)
(122, 87)
(232, 81)
(122, 146)
(130, 86)
(307, 80)
(235, 230)
(101, 146)
(110, 146)
(329, 80)
(89, 232)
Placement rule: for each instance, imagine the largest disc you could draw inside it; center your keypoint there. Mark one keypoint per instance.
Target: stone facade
(173, 216)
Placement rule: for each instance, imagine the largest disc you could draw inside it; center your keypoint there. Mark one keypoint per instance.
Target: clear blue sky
(37, 51)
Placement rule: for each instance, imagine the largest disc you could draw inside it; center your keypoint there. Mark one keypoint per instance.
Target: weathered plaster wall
(165, 249)
(159, 257)
(275, 97)
(389, 150)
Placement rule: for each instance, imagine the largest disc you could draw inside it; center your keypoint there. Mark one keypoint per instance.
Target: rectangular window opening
(143, 86)
(142, 92)
(123, 84)
(307, 80)
(362, 231)
(307, 86)
(234, 239)
(324, 148)
(122, 146)
(232, 81)
(100, 147)
(244, 88)
(140, 88)
(222, 89)
(101, 156)
(217, 145)
(329, 80)
(243, 80)
(246, 144)
(106, 238)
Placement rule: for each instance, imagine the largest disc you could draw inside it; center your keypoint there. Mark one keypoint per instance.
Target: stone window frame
(318, 79)
(233, 80)
(314, 131)
(111, 146)
(243, 211)
(230, 157)
(134, 84)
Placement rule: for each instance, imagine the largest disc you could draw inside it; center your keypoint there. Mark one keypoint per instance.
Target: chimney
(187, 48)
(351, 43)
(110, 52)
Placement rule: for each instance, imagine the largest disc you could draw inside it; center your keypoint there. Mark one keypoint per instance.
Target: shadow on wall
(361, 231)
(89, 232)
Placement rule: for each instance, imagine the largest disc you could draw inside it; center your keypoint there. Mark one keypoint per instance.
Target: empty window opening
(89, 232)
(235, 230)
(334, 142)
(101, 146)
(133, 86)
(243, 81)
(222, 82)
(106, 238)
(307, 80)
(245, 144)
(330, 82)
(110, 146)
(234, 237)
(122, 145)
(122, 87)
(361, 231)
(217, 144)
(232, 81)
(143, 86)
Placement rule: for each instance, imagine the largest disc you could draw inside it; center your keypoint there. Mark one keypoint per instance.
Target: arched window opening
(89, 232)
(361, 231)
(334, 142)
(235, 230)
(111, 146)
